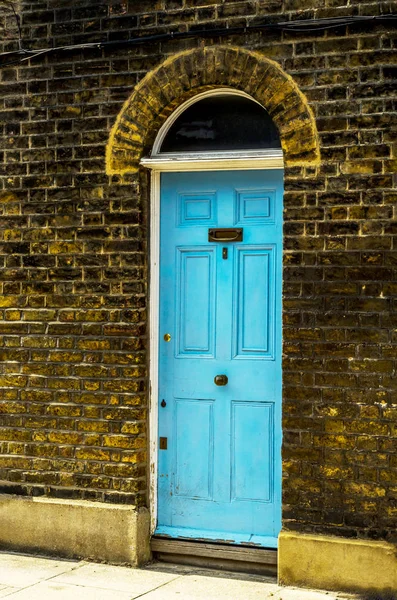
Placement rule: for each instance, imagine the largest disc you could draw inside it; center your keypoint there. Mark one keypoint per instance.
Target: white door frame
(159, 163)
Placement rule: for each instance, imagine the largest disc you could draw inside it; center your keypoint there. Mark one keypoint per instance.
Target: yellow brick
(15, 462)
(365, 489)
(362, 167)
(13, 381)
(8, 197)
(39, 315)
(92, 454)
(66, 356)
(39, 436)
(66, 479)
(92, 439)
(121, 441)
(64, 438)
(93, 344)
(91, 386)
(9, 301)
(61, 410)
(95, 426)
(133, 428)
(12, 407)
(13, 315)
(15, 434)
(65, 248)
(16, 448)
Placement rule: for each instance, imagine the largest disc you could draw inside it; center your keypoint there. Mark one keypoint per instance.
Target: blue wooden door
(220, 304)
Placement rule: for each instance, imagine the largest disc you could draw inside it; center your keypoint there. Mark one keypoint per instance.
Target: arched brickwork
(188, 73)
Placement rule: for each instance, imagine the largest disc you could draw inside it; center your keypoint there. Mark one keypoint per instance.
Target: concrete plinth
(118, 534)
(333, 563)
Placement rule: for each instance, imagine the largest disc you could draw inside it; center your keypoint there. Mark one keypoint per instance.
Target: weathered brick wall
(73, 256)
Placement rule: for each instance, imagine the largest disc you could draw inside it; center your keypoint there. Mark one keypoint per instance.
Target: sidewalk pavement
(25, 577)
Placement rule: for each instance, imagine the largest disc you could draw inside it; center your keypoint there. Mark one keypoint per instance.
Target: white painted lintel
(213, 163)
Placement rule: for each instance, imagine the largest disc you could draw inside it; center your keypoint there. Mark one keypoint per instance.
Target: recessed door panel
(255, 207)
(195, 312)
(252, 425)
(220, 368)
(194, 448)
(254, 302)
(196, 208)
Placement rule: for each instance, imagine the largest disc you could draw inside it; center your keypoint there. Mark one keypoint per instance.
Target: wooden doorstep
(238, 558)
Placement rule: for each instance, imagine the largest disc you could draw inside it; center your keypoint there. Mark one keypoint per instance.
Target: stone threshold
(243, 559)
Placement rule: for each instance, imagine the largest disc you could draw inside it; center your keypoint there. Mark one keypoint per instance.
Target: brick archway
(188, 73)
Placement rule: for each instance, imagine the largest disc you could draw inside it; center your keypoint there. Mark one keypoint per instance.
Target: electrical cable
(301, 26)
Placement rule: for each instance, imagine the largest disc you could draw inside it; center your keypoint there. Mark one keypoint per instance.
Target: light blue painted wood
(195, 419)
(220, 477)
(217, 535)
(252, 427)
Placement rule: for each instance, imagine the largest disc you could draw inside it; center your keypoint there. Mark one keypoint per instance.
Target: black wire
(302, 26)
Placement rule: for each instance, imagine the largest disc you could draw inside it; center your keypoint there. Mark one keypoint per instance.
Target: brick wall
(73, 254)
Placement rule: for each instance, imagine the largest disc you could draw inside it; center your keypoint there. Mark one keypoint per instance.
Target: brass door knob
(220, 380)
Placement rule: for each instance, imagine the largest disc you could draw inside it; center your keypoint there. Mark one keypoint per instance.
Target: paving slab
(134, 581)
(199, 586)
(22, 570)
(6, 590)
(48, 590)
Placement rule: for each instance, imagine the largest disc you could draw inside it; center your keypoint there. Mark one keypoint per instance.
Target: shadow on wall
(373, 595)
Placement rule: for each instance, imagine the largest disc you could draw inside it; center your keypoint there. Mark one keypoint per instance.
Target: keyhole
(163, 403)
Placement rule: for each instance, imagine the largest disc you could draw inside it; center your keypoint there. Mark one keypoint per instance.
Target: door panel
(254, 295)
(195, 313)
(220, 476)
(255, 207)
(252, 427)
(194, 428)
